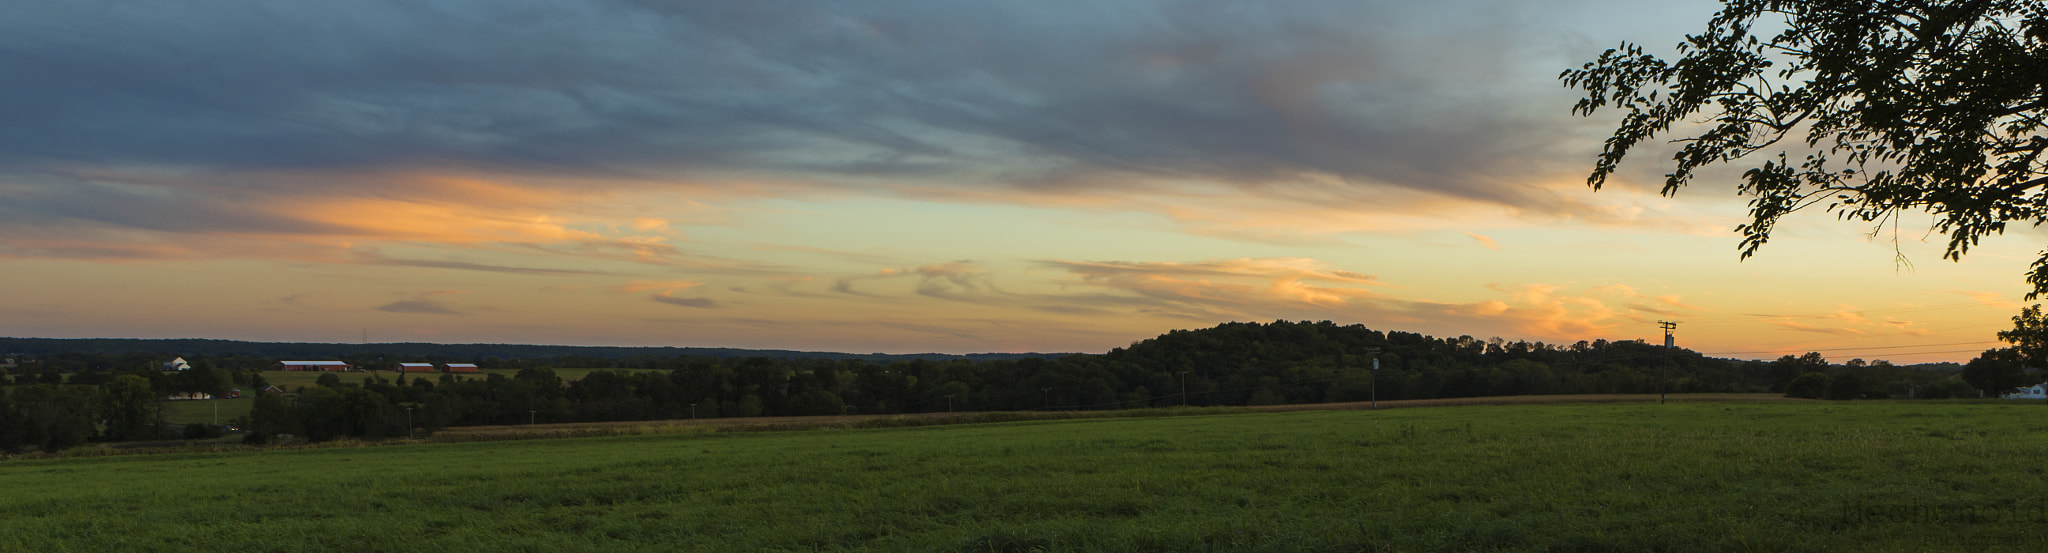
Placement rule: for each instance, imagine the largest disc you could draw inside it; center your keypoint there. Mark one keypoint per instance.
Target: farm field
(205, 410)
(1782, 476)
(294, 379)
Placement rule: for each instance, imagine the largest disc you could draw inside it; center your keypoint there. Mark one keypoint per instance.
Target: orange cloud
(1990, 299)
(645, 285)
(1483, 240)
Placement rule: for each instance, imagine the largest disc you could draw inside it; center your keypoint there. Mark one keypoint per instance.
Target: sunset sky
(897, 177)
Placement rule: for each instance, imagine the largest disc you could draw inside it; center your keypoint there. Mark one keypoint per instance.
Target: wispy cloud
(700, 303)
(424, 304)
(1483, 240)
(1989, 299)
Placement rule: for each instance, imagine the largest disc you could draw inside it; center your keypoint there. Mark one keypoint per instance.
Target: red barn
(415, 367)
(461, 367)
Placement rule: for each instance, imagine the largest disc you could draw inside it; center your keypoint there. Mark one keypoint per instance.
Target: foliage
(2029, 336)
(49, 417)
(1230, 364)
(1866, 476)
(1901, 106)
(1813, 385)
(1997, 371)
(130, 408)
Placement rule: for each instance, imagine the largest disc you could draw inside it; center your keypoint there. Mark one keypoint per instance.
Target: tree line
(1231, 364)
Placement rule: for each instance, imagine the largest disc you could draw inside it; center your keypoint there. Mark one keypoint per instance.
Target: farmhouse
(312, 366)
(177, 364)
(415, 367)
(2037, 391)
(461, 367)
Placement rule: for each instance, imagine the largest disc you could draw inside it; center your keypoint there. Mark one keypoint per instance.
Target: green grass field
(1861, 476)
(206, 411)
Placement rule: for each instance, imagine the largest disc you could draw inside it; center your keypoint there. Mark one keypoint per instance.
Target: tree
(269, 416)
(130, 408)
(1997, 371)
(1813, 385)
(2029, 336)
(1902, 105)
(2002, 369)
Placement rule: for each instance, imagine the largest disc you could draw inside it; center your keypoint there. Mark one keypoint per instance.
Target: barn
(415, 367)
(312, 366)
(461, 367)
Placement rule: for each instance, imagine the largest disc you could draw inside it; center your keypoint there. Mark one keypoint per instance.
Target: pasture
(1781, 476)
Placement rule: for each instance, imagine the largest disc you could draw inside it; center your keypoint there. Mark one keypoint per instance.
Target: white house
(178, 364)
(2037, 391)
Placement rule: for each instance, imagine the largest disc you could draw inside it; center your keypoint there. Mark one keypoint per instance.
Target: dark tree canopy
(1873, 108)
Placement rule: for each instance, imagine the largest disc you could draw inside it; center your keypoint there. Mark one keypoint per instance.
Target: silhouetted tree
(1899, 106)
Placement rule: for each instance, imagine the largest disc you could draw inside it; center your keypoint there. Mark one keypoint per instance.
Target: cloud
(1672, 305)
(1483, 240)
(664, 285)
(700, 303)
(424, 304)
(1994, 300)
(1339, 106)
(1803, 327)
(418, 306)
(372, 258)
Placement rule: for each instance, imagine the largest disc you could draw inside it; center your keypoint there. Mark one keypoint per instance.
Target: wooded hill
(1230, 364)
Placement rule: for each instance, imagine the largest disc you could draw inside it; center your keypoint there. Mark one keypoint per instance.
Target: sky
(1003, 176)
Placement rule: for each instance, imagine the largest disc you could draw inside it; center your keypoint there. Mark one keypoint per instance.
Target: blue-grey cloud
(1435, 97)
(418, 306)
(700, 303)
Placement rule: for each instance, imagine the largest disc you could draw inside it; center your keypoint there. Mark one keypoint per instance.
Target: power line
(1746, 317)
(1851, 349)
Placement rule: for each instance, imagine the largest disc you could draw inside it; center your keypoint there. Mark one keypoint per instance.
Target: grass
(204, 411)
(1786, 476)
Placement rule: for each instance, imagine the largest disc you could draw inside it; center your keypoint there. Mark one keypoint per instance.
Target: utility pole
(949, 403)
(1375, 376)
(1048, 397)
(408, 423)
(693, 410)
(1664, 369)
(1183, 388)
(529, 417)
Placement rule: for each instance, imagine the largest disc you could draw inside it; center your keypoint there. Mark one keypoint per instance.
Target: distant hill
(1945, 367)
(303, 350)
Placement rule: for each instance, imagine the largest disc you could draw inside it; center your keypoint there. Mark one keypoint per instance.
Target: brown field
(753, 424)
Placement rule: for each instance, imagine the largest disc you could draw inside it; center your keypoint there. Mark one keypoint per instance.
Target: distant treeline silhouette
(1231, 364)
